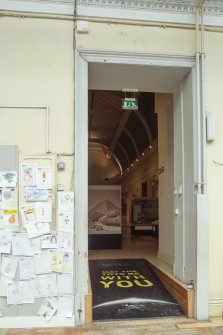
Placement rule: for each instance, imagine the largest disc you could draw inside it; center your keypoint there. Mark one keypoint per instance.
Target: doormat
(129, 289)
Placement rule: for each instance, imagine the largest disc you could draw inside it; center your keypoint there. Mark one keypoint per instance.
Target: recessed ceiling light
(143, 154)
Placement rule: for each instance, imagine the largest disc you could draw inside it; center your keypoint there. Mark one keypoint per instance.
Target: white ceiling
(145, 78)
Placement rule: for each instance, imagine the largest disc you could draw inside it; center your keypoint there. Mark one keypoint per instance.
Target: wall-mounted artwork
(104, 215)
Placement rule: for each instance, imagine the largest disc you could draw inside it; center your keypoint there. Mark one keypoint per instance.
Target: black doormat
(127, 289)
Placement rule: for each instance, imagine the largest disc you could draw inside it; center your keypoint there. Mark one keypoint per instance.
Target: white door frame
(82, 58)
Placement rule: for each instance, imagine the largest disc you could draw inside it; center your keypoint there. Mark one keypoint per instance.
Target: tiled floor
(134, 246)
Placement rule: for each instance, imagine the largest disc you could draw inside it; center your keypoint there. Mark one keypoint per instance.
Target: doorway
(175, 69)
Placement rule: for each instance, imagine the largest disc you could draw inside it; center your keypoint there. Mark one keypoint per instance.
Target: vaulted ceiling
(124, 134)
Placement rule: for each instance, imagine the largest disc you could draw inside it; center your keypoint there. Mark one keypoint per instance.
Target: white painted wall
(36, 67)
(164, 109)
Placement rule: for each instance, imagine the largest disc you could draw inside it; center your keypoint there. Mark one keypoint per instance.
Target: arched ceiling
(125, 133)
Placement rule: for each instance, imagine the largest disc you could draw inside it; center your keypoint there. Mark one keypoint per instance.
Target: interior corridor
(135, 246)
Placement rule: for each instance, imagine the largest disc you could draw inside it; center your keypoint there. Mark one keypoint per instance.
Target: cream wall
(213, 48)
(137, 38)
(36, 69)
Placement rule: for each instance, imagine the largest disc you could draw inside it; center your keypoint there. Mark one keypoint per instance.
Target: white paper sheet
(65, 201)
(44, 211)
(33, 194)
(14, 293)
(0, 198)
(11, 221)
(8, 178)
(19, 244)
(65, 240)
(28, 291)
(37, 229)
(48, 308)
(5, 242)
(44, 178)
(56, 260)
(42, 263)
(45, 285)
(28, 215)
(3, 285)
(65, 283)
(67, 262)
(49, 241)
(26, 268)
(9, 266)
(9, 198)
(28, 174)
(33, 246)
(65, 306)
(65, 221)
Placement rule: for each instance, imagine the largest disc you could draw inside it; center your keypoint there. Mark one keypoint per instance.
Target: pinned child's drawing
(8, 178)
(44, 178)
(28, 174)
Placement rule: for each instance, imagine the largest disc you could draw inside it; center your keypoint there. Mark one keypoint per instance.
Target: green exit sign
(129, 103)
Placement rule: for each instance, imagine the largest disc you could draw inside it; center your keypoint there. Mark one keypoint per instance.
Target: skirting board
(35, 322)
(215, 307)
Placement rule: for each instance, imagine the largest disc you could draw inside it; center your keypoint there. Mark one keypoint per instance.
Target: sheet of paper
(49, 241)
(65, 240)
(9, 266)
(26, 268)
(33, 246)
(65, 201)
(56, 260)
(37, 229)
(5, 242)
(44, 178)
(65, 221)
(0, 198)
(28, 291)
(19, 244)
(28, 174)
(10, 218)
(65, 283)
(67, 265)
(28, 215)
(3, 285)
(42, 263)
(48, 308)
(8, 178)
(44, 211)
(9, 198)
(14, 293)
(45, 285)
(33, 194)
(65, 306)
